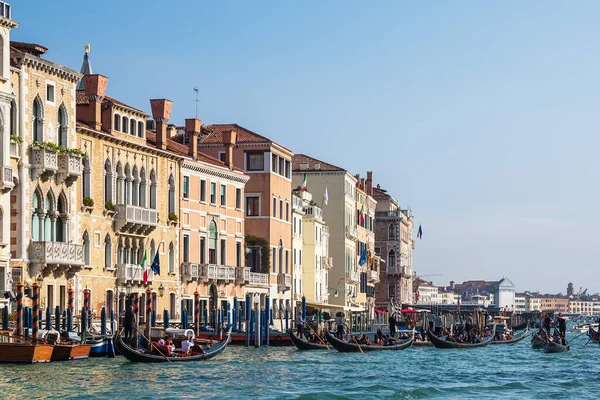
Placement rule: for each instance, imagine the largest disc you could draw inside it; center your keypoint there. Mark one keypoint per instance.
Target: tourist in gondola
(187, 345)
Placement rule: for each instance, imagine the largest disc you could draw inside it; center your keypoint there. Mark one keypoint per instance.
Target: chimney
(161, 112)
(95, 89)
(192, 128)
(362, 184)
(171, 130)
(229, 139)
(451, 285)
(369, 187)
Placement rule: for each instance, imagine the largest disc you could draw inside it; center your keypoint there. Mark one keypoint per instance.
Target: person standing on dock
(129, 323)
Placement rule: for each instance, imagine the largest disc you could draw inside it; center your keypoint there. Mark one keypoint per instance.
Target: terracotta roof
(378, 192)
(31, 48)
(182, 151)
(115, 101)
(215, 135)
(81, 98)
(313, 164)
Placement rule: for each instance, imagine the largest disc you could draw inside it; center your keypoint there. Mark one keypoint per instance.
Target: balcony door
(212, 242)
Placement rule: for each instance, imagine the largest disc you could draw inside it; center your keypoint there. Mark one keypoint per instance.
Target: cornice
(46, 66)
(196, 166)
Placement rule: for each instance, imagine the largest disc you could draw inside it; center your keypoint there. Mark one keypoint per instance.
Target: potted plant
(109, 208)
(88, 203)
(172, 218)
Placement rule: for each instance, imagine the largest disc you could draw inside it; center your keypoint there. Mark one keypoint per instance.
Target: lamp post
(161, 290)
(128, 289)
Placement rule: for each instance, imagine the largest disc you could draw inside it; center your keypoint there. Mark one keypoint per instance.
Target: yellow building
(127, 200)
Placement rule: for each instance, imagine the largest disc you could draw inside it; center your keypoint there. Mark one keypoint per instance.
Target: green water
(502, 372)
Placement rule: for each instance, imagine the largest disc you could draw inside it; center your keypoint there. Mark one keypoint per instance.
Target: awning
(408, 311)
(324, 306)
(354, 309)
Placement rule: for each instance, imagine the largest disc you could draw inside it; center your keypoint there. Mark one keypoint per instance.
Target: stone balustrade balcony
(70, 167)
(258, 279)
(44, 161)
(135, 219)
(49, 256)
(214, 272)
(190, 271)
(373, 276)
(352, 277)
(132, 273)
(7, 178)
(351, 233)
(284, 282)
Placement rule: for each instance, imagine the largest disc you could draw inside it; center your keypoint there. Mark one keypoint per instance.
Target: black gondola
(553, 347)
(135, 356)
(514, 340)
(447, 344)
(347, 347)
(593, 335)
(303, 344)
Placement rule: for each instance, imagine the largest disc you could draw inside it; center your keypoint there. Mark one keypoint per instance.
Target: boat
(70, 351)
(347, 347)
(134, 355)
(514, 340)
(593, 335)
(14, 350)
(238, 338)
(446, 344)
(101, 346)
(553, 347)
(537, 341)
(302, 344)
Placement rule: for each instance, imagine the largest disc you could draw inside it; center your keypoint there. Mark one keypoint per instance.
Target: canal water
(494, 372)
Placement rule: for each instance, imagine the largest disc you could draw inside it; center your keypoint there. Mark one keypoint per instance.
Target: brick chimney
(95, 89)
(229, 139)
(161, 112)
(369, 183)
(192, 128)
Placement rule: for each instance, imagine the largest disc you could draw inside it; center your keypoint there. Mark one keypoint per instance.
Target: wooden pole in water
(136, 310)
(36, 306)
(196, 313)
(149, 313)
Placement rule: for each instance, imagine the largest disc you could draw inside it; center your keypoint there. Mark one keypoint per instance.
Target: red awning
(378, 311)
(408, 311)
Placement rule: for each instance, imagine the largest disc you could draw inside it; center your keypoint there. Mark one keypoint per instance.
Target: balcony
(387, 214)
(132, 273)
(315, 212)
(242, 274)
(352, 277)
(134, 219)
(190, 271)
(258, 279)
(370, 238)
(44, 161)
(394, 270)
(297, 204)
(213, 272)
(7, 178)
(14, 149)
(69, 167)
(284, 282)
(373, 276)
(351, 233)
(55, 255)
(327, 262)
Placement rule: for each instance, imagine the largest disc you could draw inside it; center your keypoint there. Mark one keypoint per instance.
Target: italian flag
(362, 213)
(143, 266)
(304, 183)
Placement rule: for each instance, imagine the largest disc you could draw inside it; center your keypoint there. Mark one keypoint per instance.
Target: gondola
(303, 344)
(553, 347)
(514, 340)
(593, 335)
(347, 347)
(446, 344)
(135, 356)
(537, 341)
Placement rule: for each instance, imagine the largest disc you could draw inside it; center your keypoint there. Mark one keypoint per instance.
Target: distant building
(499, 293)
(520, 300)
(570, 290)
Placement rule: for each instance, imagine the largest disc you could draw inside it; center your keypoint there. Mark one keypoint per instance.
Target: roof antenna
(196, 101)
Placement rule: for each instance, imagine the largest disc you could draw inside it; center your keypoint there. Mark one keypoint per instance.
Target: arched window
(108, 182)
(38, 120)
(392, 258)
(392, 232)
(152, 190)
(125, 124)
(86, 183)
(140, 252)
(141, 129)
(86, 248)
(128, 184)
(132, 127)
(171, 194)
(142, 188)
(49, 209)
(63, 129)
(36, 218)
(107, 252)
(171, 259)
(117, 124)
(212, 242)
(152, 250)
(120, 184)
(120, 252)
(13, 118)
(135, 192)
(62, 222)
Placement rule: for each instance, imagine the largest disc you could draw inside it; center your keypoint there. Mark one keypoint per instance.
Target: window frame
(251, 154)
(186, 187)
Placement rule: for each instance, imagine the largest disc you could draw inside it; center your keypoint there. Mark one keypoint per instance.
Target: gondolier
(129, 323)
(299, 324)
(561, 325)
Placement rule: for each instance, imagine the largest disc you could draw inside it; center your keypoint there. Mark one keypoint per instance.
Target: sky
(481, 117)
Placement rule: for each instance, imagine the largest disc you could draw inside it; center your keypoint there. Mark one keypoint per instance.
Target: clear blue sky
(480, 116)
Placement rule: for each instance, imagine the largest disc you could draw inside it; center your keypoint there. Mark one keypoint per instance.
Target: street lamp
(128, 289)
(161, 290)
(40, 279)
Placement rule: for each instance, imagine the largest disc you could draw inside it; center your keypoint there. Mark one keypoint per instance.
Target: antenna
(196, 100)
